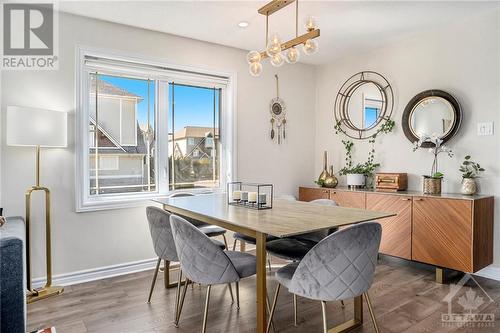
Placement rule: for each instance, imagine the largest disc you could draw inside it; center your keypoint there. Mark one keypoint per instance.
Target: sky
(194, 106)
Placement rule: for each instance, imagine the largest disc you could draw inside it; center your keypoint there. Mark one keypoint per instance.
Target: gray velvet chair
(339, 267)
(164, 247)
(207, 229)
(207, 264)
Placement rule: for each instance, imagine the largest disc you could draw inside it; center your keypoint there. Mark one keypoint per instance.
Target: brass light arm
(274, 6)
(296, 41)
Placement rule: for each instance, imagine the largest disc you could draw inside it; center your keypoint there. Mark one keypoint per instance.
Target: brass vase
(324, 174)
(331, 181)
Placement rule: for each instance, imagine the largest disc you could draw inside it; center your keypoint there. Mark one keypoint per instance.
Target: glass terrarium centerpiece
(250, 195)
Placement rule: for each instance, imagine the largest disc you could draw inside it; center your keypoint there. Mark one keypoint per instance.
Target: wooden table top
(286, 218)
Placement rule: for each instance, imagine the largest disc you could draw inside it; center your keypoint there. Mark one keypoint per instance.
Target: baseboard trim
(94, 274)
(490, 272)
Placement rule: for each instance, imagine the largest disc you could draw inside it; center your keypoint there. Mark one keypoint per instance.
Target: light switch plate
(484, 129)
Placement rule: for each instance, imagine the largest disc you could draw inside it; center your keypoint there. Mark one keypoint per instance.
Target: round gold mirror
(363, 104)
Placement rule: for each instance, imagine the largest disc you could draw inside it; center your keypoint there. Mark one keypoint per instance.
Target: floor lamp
(40, 129)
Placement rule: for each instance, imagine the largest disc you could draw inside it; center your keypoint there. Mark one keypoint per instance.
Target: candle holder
(250, 195)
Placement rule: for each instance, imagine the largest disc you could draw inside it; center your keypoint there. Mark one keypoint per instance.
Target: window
(122, 132)
(194, 160)
(145, 129)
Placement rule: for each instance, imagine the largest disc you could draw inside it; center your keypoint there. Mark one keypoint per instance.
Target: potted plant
(356, 174)
(470, 171)
(432, 182)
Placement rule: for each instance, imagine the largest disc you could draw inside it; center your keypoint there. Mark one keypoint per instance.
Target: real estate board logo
(475, 305)
(29, 36)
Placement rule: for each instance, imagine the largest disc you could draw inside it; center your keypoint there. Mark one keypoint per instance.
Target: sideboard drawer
(442, 232)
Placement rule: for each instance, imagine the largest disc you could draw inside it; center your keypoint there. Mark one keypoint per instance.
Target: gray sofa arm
(12, 276)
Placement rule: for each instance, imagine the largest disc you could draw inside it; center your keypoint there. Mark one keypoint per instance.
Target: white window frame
(168, 73)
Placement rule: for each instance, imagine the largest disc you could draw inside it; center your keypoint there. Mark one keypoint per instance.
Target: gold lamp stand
(48, 290)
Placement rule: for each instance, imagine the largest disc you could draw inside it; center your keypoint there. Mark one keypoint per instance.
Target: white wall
(462, 59)
(90, 240)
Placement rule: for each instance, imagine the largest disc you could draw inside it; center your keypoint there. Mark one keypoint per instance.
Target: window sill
(124, 202)
(118, 202)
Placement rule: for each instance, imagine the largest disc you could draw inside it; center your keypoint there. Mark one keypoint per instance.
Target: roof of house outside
(106, 88)
(141, 147)
(194, 132)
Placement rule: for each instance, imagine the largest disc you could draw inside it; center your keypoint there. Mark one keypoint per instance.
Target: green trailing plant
(470, 169)
(366, 168)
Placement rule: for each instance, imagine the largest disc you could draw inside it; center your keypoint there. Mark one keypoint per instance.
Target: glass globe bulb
(253, 56)
(292, 55)
(273, 45)
(277, 60)
(255, 68)
(311, 23)
(310, 46)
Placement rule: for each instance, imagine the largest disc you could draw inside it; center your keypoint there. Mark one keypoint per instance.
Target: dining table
(286, 218)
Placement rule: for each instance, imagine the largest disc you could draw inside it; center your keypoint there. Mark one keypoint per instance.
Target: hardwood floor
(405, 298)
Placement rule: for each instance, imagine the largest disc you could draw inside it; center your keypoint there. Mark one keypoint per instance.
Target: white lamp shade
(36, 127)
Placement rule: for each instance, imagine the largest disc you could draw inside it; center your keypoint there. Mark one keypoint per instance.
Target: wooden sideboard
(448, 231)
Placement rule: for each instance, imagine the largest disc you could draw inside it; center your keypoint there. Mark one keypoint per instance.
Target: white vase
(469, 186)
(356, 179)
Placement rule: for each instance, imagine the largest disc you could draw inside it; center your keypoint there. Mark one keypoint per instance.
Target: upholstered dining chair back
(161, 233)
(201, 260)
(317, 236)
(341, 266)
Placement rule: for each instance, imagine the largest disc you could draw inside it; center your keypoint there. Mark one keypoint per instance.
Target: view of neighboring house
(121, 147)
(194, 149)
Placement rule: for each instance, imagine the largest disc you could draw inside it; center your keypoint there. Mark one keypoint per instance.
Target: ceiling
(347, 27)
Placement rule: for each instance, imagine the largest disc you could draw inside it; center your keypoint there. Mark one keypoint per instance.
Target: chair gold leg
(225, 241)
(295, 310)
(205, 314)
(166, 274)
(178, 294)
(231, 292)
(178, 318)
(154, 280)
(323, 308)
(273, 307)
(372, 313)
(237, 295)
(268, 307)
(234, 245)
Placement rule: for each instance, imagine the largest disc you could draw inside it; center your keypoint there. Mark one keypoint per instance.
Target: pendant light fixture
(277, 51)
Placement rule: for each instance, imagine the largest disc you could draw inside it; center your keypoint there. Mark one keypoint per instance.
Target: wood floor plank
(405, 298)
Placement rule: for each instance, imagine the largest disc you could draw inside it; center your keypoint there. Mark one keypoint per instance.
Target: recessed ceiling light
(243, 24)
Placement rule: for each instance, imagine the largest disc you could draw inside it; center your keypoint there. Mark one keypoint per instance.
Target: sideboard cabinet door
(396, 231)
(310, 194)
(442, 232)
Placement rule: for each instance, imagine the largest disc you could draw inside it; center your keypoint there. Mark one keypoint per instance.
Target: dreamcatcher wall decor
(278, 116)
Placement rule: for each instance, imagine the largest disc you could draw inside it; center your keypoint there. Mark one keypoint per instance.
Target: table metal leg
(261, 282)
(353, 323)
